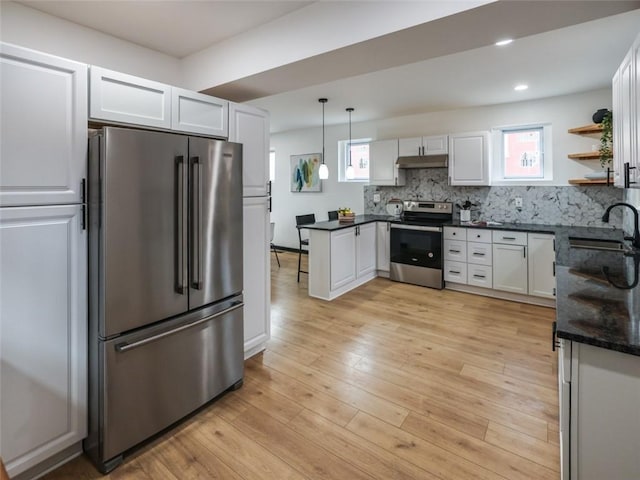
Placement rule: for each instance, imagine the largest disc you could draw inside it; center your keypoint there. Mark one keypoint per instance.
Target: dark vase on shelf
(599, 115)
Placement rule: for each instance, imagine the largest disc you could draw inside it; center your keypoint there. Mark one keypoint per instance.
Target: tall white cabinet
(250, 126)
(43, 251)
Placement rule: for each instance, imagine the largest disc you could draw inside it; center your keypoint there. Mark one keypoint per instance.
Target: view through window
(522, 153)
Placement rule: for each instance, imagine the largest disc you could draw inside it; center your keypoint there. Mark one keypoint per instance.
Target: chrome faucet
(636, 234)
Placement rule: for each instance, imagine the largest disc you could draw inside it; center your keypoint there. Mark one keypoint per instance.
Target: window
(522, 154)
(359, 160)
(272, 165)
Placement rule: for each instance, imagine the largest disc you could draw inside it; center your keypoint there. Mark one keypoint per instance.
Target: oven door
(416, 255)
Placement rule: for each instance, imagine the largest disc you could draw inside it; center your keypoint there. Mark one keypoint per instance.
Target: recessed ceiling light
(504, 42)
(521, 87)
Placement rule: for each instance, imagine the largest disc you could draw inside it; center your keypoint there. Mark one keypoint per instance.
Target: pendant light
(350, 170)
(323, 173)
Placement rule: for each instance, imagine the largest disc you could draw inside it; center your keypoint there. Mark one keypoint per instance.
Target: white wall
(30, 28)
(562, 112)
(287, 204)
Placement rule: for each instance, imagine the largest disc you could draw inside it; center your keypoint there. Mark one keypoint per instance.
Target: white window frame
(497, 164)
(343, 159)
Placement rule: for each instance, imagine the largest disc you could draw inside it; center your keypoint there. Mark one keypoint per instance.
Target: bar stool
(302, 220)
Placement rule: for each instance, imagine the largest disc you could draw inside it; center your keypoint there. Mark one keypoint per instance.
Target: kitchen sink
(598, 244)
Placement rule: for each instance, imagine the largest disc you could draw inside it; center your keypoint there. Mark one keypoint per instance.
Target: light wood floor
(390, 381)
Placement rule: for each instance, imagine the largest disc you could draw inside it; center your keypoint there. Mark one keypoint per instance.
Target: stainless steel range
(416, 243)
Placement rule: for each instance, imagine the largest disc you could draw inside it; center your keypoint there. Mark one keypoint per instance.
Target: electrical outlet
(518, 202)
(376, 198)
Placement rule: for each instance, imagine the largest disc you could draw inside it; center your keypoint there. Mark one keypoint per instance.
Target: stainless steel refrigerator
(165, 282)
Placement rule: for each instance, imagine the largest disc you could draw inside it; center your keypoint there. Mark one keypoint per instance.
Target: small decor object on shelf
(606, 140)
(599, 115)
(345, 215)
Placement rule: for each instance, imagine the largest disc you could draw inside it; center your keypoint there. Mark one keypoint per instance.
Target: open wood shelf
(587, 129)
(585, 156)
(586, 181)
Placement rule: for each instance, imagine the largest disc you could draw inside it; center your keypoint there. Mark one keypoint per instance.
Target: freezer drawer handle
(124, 347)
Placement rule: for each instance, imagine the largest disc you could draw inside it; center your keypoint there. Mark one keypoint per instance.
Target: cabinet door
(510, 268)
(43, 127)
(43, 346)
(469, 158)
(437, 145)
(624, 121)
(194, 112)
(122, 98)
(250, 127)
(383, 171)
(410, 147)
(343, 257)
(383, 246)
(256, 274)
(366, 249)
(541, 265)
(618, 160)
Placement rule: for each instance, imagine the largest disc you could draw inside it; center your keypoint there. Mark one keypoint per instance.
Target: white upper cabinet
(250, 127)
(417, 146)
(122, 98)
(382, 169)
(43, 128)
(469, 158)
(194, 112)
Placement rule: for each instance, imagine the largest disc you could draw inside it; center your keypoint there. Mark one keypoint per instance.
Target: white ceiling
(445, 64)
(177, 28)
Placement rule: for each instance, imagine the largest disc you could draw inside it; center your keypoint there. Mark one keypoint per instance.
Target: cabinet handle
(454, 272)
(454, 251)
(270, 204)
(554, 343)
(627, 175)
(524, 252)
(453, 233)
(269, 187)
(478, 236)
(479, 276)
(508, 238)
(83, 220)
(478, 254)
(83, 191)
(554, 268)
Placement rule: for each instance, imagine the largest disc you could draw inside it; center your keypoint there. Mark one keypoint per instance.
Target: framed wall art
(304, 173)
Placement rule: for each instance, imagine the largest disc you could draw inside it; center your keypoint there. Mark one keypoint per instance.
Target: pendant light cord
(322, 101)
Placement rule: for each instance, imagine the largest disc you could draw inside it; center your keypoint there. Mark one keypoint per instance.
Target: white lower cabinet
(341, 260)
(600, 410)
(343, 257)
(455, 272)
(43, 346)
(542, 265)
(455, 250)
(480, 275)
(257, 274)
(510, 268)
(383, 246)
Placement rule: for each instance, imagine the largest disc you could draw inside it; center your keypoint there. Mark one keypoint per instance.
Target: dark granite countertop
(332, 225)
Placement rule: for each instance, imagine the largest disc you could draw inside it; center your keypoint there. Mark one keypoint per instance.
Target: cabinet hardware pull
(508, 238)
(478, 254)
(83, 191)
(454, 272)
(454, 251)
(553, 336)
(554, 269)
(479, 276)
(524, 252)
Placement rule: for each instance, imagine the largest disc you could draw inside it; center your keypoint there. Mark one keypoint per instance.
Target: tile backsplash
(561, 205)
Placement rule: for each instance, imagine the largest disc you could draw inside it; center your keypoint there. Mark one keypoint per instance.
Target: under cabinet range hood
(423, 161)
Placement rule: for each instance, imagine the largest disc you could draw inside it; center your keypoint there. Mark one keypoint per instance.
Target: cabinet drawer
(479, 236)
(455, 250)
(515, 238)
(479, 253)
(480, 276)
(455, 272)
(455, 233)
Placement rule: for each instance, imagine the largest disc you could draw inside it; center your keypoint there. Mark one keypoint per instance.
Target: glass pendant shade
(350, 172)
(323, 173)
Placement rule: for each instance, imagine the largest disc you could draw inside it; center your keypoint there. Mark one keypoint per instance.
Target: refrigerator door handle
(181, 231)
(196, 225)
(124, 346)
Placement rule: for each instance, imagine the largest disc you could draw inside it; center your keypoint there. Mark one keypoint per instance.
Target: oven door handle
(416, 227)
